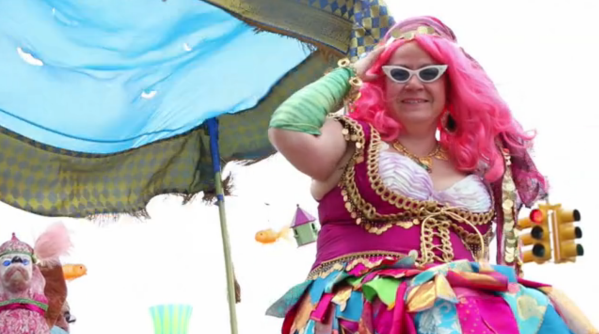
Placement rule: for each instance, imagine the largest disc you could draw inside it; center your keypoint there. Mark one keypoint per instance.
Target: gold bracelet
(356, 83)
(346, 63)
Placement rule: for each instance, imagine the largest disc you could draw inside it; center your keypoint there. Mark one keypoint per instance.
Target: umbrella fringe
(310, 45)
(208, 197)
(250, 162)
(108, 218)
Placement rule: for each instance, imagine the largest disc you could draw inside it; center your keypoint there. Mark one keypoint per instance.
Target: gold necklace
(424, 162)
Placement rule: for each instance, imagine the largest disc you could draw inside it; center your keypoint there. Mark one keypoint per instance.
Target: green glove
(306, 110)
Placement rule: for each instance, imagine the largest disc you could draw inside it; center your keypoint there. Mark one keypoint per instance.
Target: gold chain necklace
(424, 162)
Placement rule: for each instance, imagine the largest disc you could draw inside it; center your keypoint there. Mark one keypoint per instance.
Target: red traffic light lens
(537, 216)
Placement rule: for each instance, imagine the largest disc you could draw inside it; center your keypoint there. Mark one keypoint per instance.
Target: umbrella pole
(220, 200)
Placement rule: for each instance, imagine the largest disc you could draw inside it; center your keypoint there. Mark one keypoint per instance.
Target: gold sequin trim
(353, 132)
(362, 211)
(508, 197)
(350, 261)
(413, 211)
(436, 229)
(472, 242)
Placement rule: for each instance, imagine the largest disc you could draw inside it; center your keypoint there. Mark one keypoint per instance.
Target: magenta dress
(396, 256)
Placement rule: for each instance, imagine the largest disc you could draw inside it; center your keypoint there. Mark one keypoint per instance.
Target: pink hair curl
(474, 103)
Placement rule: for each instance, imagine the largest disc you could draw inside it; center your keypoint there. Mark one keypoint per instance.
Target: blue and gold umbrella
(106, 104)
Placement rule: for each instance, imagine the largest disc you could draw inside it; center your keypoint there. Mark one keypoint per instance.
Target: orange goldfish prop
(73, 271)
(270, 236)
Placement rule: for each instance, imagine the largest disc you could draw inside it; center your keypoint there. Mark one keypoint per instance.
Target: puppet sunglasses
(425, 74)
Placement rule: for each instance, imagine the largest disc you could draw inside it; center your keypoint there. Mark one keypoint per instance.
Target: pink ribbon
(402, 321)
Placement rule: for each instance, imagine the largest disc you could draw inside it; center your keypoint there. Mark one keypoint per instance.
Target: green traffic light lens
(538, 250)
(579, 250)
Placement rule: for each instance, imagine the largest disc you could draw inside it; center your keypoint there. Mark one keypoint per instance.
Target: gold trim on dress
(350, 261)
(361, 210)
(511, 242)
(414, 212)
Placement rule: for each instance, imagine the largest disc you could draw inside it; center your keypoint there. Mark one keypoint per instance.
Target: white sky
(542, 55)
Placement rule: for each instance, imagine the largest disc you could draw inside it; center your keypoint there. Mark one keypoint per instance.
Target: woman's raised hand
(363, 65)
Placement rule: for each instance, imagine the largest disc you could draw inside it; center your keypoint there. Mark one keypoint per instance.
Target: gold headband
(411, 34)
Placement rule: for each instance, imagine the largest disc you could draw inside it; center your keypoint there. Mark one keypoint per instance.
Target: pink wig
(480, 114)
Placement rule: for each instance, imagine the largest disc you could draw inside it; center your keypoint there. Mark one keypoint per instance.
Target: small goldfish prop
(73, 271)
(270, 236)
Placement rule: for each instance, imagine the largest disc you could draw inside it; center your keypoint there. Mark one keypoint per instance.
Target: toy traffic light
(538, 236)
(565, 248)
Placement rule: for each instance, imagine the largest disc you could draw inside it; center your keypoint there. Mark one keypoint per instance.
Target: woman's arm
(301, 132)
(316, 157)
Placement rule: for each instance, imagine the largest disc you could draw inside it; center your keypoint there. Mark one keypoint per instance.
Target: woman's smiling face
(421, 98)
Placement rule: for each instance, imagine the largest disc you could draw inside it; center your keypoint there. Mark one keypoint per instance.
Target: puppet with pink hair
(23, 304)
(428, 166)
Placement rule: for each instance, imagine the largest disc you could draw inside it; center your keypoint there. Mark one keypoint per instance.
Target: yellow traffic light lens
(537, 232)
(577, 232)
(576, 215)
(537, 216)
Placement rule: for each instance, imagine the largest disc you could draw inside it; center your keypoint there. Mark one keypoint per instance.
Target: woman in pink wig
(428, 167)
